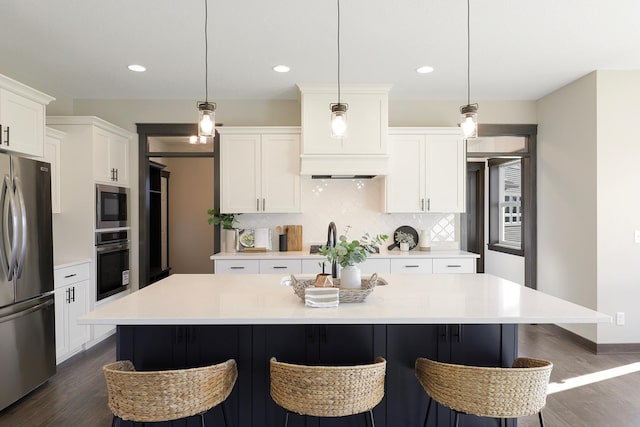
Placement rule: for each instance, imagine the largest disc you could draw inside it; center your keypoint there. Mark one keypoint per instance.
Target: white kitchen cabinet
(276, 266)
(368, 267)
(71, 297)
(111, 158)
(412, 265)
(454, 265)
(22, 112)
(259, 170)
(427, 171)
(239, 266)
(53, 139)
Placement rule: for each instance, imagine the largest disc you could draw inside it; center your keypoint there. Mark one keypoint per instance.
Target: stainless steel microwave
(111, 206)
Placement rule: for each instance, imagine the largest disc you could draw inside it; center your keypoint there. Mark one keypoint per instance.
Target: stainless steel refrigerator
(27, 329)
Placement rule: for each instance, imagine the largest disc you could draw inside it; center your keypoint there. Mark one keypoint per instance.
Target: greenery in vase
(403, 237)
(225, 220)
(347, 252)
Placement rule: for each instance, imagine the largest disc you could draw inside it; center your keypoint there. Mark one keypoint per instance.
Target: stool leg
(541, 419)
(457, 418)
(113, 421)
(426, 417)
(224, 414)
(202, 419)
(286, 418)
(373, 423)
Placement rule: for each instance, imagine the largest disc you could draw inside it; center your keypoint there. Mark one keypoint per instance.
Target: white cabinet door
(62, 338)
(224, 266)
(260, 173)
(78, 306)
(52, 156)
(405, 182)
(411, 265)
(284, 266)
(280, 173)
(22, 123)
(427, 171)
(110, 158)
(454, 265)
(445, 173)
(239, 173)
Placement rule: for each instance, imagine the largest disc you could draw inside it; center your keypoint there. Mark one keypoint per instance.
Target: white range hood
(363, 152)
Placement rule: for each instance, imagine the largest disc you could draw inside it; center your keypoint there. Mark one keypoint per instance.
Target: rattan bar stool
(151, 396)
(328, 391)
(487, 392)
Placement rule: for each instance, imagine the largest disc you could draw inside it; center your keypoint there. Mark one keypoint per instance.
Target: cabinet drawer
(250, 266)
(454, 265)
(411, 265)
(311, 266)
(375, 265)
(272, 266)
(65, 276)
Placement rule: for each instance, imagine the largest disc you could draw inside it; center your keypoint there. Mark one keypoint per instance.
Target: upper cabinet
(427, 171)
(364, 149)
(259, 169)
(111, 157)
(53, 139)
(22, 112)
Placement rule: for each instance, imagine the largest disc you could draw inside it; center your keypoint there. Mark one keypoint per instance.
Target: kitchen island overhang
(195, 320)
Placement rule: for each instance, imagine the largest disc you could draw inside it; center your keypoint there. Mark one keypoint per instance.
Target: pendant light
(469, 112)
(206, 109)
(339, 109)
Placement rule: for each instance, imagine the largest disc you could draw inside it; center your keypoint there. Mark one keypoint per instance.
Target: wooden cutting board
(294, 237)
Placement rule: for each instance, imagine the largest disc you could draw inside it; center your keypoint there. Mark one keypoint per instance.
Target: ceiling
(520, 50)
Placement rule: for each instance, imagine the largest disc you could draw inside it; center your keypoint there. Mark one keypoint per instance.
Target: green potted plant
(227, 223)
(406, 240)
(347, 253)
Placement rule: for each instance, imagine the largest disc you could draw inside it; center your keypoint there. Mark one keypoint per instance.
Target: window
(505, 194)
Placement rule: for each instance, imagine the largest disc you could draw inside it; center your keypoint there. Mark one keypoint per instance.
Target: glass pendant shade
(469, 120)
(339, 120)
(207, 119)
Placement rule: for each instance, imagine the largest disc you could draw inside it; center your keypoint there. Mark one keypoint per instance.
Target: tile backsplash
(358, 203)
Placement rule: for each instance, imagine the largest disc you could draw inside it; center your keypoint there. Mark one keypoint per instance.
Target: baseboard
(594, 347)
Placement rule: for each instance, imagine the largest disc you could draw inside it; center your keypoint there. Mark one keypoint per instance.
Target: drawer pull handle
(69, 275)
(279, 266)
(453, 266)
(237, 268)
(411, 266)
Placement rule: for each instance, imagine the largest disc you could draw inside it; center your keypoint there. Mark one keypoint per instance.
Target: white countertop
(251, 299)
(306, 255)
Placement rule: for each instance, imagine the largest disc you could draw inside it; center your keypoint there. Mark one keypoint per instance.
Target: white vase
(404, 247)
(350, 277)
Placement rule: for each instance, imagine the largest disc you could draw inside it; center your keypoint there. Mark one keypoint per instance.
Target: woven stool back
(167, 395)
(327, 391)
(487, 392)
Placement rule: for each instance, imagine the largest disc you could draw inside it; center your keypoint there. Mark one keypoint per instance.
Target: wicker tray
(347, 295)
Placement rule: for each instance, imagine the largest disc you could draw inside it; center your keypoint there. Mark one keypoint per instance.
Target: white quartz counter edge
(64, 264)
(307, 255)
(254, 299)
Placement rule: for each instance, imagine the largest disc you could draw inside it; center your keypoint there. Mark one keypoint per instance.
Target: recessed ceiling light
(137, 68)
(281, 69)
(425, 69)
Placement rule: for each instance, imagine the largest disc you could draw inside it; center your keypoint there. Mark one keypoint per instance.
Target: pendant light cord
(468, 54)
(339, 52)
(206, 53)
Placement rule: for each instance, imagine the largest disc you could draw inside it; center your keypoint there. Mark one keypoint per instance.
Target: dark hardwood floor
(76, 396)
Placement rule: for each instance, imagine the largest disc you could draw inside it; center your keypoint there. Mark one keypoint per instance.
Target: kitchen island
(193, 320)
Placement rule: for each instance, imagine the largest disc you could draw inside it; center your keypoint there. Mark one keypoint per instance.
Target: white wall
(618, 152)
(566, 195)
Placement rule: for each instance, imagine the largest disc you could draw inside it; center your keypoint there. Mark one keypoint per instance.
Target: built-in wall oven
(112, 262)
(111, 206)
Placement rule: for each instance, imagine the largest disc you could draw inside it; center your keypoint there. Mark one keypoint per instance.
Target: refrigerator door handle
(27, 311)
(8, 265)
(23, 228)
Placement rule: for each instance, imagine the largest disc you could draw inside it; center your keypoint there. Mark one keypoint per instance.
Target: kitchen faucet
(331, 242)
